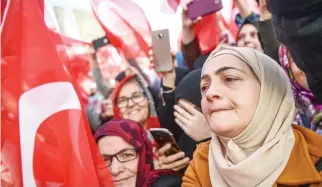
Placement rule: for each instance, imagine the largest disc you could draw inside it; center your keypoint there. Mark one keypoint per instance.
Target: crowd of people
(249, 113)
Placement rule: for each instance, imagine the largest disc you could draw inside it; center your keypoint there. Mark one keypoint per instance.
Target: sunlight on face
(230, 94)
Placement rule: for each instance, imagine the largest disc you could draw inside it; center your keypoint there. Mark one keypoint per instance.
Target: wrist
(168, 84)
(265, 14)
(188, 35)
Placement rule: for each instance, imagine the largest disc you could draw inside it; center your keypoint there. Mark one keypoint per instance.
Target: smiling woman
(133, 100)
(249, 105)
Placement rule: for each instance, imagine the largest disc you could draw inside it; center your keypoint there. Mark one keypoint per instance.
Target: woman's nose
(116, 167)
(130, 103)
(213, 92)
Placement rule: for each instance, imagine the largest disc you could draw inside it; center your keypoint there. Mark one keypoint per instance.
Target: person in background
(107, 107)
(98, 77)
(248, 103)
(310, 111)
(127, 151)
(188, 115)
(254, 31)
(298, 25)
(133, 100)
(100, 111)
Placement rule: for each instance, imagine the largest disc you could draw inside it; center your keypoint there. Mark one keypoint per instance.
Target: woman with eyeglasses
(128, 153)
(133, 100)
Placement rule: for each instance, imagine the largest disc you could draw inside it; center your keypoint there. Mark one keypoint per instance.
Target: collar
(300, 168)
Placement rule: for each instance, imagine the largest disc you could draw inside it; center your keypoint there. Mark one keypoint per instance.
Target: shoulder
(203, 149)
(197, 173)
(168, 181)
(313, 141)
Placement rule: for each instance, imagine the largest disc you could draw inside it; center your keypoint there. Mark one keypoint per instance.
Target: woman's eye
(204, 88)
(253, 34)
(230, 79)
(128, 155)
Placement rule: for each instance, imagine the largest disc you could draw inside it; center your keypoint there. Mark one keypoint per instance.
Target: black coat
(298, 25)
(168, 181)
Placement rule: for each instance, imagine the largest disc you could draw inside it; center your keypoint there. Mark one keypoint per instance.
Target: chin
(128, 183)
(222, 129)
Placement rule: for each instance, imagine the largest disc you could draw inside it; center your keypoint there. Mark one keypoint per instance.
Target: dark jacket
(168, 181)
(165, 107)
(298, 25)
(189, 90)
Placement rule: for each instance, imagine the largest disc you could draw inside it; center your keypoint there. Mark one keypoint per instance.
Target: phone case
(161, 51)
(203, 7)
(162, 137)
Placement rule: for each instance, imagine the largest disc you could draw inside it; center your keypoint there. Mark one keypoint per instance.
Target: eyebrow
(125, 149)
(222, 69)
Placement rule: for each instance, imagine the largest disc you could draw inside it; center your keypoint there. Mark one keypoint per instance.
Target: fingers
(162, 150)
(182, 166)
(182, 111)
(188, 107)
(183, 119)
(176, 165)
(172, 158)
(182, 126)
(197, 20)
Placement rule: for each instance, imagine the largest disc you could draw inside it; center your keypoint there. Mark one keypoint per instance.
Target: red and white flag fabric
(45, 138)
(126, 26)
(170, 6)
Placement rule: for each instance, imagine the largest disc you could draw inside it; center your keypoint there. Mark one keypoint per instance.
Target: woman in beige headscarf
(248, 103)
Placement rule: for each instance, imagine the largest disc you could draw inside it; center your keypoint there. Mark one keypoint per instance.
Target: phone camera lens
(160, 35)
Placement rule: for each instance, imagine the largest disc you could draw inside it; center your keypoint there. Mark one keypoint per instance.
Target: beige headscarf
(258, 155)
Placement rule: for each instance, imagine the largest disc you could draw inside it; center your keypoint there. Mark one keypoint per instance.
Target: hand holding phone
(173, 162)
(163, 137)
(198, 8)
(162, 60)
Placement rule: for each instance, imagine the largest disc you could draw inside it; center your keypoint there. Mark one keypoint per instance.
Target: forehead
(129, 88)
(112, 144)
(247, 28)
(224, 60)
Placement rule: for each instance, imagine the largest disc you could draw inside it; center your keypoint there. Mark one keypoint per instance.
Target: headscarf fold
(152, 121)
(305, 101)
(134, 134)
(259, 154)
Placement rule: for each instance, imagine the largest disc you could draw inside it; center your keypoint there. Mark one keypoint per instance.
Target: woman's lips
(121, 180)
(213, 110)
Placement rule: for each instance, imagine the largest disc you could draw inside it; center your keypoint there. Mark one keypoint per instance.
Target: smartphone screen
(203, 7)
(161, 51)
(100, 42)
(164, 136)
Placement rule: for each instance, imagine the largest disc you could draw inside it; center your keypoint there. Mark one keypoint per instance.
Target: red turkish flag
(126, 26)
(45, 138)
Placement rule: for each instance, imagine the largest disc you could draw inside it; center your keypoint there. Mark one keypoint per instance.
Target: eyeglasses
(137, 97)
(122, 156)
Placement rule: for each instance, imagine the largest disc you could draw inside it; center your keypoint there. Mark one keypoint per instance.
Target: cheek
(123, 111)
(132, 166)
(240, 43)
(145, 107)
(204, 106)
(248, 101)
